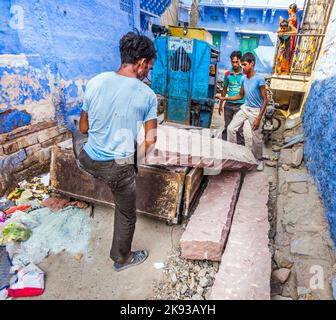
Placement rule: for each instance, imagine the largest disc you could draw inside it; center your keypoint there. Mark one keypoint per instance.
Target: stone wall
(26, 151)
(319, 125)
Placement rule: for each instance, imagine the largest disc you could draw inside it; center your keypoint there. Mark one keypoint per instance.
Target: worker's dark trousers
(121, 179)
(229, 113)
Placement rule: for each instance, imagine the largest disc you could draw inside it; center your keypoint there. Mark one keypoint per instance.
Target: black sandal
(138, 257)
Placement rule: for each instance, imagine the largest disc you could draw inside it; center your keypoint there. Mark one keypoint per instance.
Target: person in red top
(293, 23)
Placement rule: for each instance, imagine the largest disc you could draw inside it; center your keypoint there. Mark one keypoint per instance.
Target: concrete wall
(212, 17)
(320, 124)
(48, 51)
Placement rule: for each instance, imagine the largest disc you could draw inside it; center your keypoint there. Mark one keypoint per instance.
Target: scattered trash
(45, 179)
(5, 266)
(2, 217)
(78, 204)
(29, 282)
(15, 194)
(18, 208)
(158, 265)
(55, 204)
(68, 230)
(294, 140)
(14, 231)
(79, 256)
(5, 204)
(3, 294)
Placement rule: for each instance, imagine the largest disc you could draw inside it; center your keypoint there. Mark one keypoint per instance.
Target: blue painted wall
(320, 127)
(50, 49)
(212, 17)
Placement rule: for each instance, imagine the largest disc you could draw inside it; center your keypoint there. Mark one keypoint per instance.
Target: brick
(20, 143)
(56, 140)
(22, 131)
(32, 149)
(62, 129)
(1, 151)
(207, 230)
(245, 269)
(31, 172)
(11, 161)
(47, 134)
(40, 156)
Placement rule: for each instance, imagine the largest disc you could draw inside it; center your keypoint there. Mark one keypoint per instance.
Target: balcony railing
(303, 59)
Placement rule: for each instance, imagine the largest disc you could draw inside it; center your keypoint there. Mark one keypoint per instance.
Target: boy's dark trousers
(230, 109)
(120, 176)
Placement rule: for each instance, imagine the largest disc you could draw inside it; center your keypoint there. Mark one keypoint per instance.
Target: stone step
(245, 269)
(208, 228)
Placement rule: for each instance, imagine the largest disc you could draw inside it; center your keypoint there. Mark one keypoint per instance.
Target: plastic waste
(14, 231)
(29, 281)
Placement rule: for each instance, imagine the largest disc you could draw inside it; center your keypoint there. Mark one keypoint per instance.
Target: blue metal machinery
(185, 73)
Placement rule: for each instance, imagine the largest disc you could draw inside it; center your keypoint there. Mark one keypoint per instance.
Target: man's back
(117, 106)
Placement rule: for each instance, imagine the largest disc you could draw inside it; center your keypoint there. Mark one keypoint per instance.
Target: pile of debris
(33, 224)
(185, 279)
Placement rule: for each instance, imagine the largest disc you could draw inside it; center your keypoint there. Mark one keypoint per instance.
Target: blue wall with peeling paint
(64, 43)
(320, 126)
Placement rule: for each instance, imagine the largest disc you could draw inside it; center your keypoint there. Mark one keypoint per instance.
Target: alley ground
(297, 244)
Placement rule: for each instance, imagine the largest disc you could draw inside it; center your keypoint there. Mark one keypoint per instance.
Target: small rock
(207, 293)
(281, 275)
(276, 148)
(204, 282)
(184, 289)
(278, 297)
(197, 269)
(275, 289)
(173, 278)
(285, 167)
(285, 157)
(192, 283)
(197, 297)
(79, 256)
(297, 157)
(202, 273)
(301, 291)
(299, 187)
(199, 290)
(270, 163)
(185, 274)
(283, 260)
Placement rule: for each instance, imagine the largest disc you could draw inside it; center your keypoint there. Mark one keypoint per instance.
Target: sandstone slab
(245, 269)
(208, 228)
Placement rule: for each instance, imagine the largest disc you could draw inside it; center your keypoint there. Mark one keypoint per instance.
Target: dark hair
(236, 54)
(284, 23)
(294, 7)
(134, 47)
(248, 57)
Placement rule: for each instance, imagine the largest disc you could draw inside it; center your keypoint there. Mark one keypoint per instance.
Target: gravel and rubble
(185, 279)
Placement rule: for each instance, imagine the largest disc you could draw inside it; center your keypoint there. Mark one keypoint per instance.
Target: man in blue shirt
(231, 88)
(253, 89)
(116, 105)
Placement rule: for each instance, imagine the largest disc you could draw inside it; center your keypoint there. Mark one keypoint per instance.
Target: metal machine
(185, 73)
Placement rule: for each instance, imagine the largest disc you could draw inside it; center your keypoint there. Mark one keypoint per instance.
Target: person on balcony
(286, 33)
